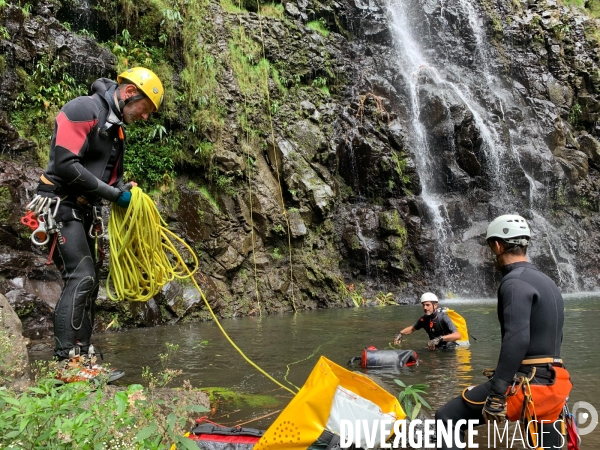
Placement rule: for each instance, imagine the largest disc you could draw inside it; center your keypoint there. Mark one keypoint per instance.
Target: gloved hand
(398, 338)
(432, 344)
(124, 199)
(494, 409)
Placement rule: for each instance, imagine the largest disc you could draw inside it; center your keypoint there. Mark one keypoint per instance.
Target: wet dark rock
(14, 370)
(343, 169)
(591, 147)
(34, 312)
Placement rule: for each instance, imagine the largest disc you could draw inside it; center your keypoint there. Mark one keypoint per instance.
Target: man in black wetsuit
(440, 329)
(84, 168)
(531, 314)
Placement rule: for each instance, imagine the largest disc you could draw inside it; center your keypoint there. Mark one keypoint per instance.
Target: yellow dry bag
(330, 394)
(461, 325)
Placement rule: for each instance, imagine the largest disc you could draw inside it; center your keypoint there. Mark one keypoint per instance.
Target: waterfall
(477, 87)
(363, 242)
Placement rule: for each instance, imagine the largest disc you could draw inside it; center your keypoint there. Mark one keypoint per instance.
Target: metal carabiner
(96, 221)
(56, 207)
(41, 205)
(41, 230)
(95, 235)
(51, 225)
(32, 203)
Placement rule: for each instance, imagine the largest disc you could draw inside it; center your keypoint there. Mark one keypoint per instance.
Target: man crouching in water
(531, 314)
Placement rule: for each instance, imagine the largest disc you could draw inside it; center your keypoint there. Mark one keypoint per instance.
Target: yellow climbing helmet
(147, 82)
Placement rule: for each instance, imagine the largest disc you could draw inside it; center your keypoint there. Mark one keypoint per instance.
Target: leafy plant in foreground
(411, 400)
(84, 415)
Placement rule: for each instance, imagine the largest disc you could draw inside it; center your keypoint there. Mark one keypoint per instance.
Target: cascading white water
(566, 270)
(413, 62)
(499, 147)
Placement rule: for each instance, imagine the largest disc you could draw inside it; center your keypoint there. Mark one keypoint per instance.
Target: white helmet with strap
(510, 228)
(429, 297)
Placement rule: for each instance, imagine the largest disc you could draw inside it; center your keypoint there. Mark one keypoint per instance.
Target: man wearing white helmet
(531, 315)
(438, 325)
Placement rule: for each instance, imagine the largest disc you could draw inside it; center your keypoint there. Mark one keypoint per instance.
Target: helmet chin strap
(122, 103)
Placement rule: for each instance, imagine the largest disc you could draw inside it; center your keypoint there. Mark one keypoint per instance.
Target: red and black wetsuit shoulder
(81, 147)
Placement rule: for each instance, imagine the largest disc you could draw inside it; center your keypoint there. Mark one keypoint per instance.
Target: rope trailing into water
(287, 372)
(140, 244)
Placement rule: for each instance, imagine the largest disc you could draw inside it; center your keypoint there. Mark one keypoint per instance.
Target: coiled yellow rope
(140, 244)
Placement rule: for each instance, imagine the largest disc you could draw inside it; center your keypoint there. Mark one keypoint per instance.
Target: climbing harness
(139, 264)
(41, 218)
(542, 401)
(531, 404)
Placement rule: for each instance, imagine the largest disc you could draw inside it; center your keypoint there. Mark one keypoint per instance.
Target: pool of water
(287, 347)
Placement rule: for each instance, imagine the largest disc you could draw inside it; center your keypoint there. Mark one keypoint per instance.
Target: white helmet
(510, 228)
(429, 297)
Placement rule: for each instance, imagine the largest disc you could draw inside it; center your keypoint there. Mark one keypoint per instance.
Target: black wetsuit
(531, 314)
(85, 166)
(436, 325)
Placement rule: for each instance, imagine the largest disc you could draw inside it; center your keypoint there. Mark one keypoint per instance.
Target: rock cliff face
(391, 135)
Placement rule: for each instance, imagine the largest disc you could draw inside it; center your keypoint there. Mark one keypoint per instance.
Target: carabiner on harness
(46, 218)
(97, 224)
(40, 236)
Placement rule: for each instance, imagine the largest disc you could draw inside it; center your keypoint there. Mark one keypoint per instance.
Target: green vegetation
(225, 184)
(321, 83)
(355, 293)
(232, 7)
(400, 164)
(149, 157)
(490, 8)
(591, 7)
(411, 400)
(239, 399)
(6, 203)
(205, 192)
(53, 415)
(276, 255)
(251, 70)
(44, 92)
(274, 10)
(320, 26)
(385, 299)
(575, 114)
